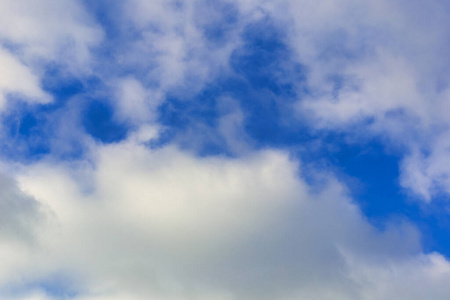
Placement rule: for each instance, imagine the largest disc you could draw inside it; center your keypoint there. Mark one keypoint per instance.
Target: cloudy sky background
(221, 150)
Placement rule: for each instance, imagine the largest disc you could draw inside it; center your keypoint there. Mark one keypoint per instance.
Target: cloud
(19, 80)
(20, 213)
(138, 223)
(377, 64)
(22, 220)
(377, 69)
(50, 30)
(132, 102)
(124, 220)
(34, 35)
(174, 46)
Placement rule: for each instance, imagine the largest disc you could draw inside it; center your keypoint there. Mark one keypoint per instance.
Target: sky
(224, 150)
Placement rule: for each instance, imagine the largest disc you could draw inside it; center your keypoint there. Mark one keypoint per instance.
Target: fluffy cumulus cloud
(150, 149)
(163, 223)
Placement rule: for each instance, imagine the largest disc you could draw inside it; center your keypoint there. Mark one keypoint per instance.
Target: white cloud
(140, 223)
(173, 45)
(389, 56)
(128, 222)
(16, 79)
(135, 103)
(50, 30)
(34, 34)
(379, 65)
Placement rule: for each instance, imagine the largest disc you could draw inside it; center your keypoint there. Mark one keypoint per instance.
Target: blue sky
(229, 149)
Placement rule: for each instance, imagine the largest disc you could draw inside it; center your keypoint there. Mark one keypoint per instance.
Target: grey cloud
(20, 214)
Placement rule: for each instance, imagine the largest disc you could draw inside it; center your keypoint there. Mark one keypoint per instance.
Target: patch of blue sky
(31, 129)
(223, 20)
(24, 137)
(199, 115)
(372, 174)
(119, 38)
(61, 85)
(265, 62)
(57, 286)
(106, 17)
(263, 82)
(99, 122)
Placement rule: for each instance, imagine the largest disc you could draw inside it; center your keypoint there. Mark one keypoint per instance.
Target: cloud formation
(380, 65)
(35, 34)
(162, 148)
(163, 223)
